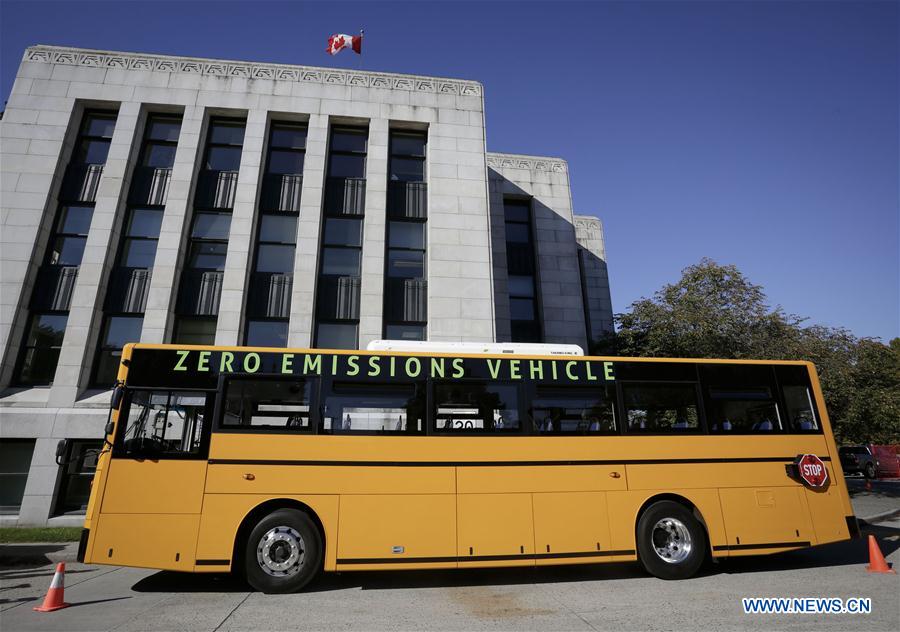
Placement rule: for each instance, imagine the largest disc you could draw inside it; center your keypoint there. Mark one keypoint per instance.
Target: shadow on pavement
(839, 554)
(28, 554)
(29, 573)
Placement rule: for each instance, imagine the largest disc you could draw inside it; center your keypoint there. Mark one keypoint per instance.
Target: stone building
(173, 199)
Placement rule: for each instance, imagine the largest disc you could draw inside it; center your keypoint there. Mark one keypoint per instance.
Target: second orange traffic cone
(54, 599)
(877, 563)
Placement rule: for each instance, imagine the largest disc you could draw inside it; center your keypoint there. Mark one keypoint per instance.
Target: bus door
(150, 511)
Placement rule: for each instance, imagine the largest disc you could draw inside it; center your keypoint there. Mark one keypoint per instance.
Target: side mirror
(60, 451)
(117, 396)
(108, 430)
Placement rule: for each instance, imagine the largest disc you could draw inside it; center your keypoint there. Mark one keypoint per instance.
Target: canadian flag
(339, 41)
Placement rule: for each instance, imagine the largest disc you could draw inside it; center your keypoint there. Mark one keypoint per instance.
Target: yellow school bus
(279, 463)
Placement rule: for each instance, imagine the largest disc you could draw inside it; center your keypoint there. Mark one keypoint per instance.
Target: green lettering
(514, 369)
(203, 361)
(608, 371)
(287, 361)
(437, 367)
(182, 356)
(393, 365)
(334, 361)
(374, 366)
(536, 369)
(569, 366)
(418, 364)
(553, 369)
(255, 364)
(353, 363)
(494, 368)
(458, 368)
(590, 376)
(312, 364)
(225, 362)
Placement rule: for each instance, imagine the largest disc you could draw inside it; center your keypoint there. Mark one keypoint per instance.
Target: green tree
(714, 311)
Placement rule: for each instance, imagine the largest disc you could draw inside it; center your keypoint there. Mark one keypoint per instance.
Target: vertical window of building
(126, 294)
(197, 307)
(523, 308)
(76, 473)
(405, 284)
(15, 461)
(337, 293)
(52, 294)
(269, 296)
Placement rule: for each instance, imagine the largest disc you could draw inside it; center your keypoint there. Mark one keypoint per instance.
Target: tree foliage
(714, 311)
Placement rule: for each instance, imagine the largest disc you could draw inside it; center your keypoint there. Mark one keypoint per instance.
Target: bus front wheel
(283, 553)
(671, 541)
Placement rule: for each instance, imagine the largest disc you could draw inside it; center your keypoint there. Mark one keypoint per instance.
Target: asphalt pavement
(594, 597)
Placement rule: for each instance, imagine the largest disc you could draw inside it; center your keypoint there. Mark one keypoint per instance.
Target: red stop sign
(812, 470)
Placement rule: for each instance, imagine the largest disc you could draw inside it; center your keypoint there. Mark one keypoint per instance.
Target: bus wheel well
(681, 500)
(258, 513)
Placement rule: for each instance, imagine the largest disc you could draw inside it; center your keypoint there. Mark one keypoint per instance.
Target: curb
(38, 553)
(882, 517)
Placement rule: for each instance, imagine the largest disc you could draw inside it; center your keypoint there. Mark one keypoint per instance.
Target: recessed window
(145, 222)
(195, 331)
(406, 264)
(278, 229)
(43, 343)
(288, 137)
(76, 474)
(284, 162)
(407, 235)
(343, 232)
(341, 262)
(267, 333)
(75, 220)
(344, 166)
(67, 251)
(211, 226)
(226, 133)
(407, 170)
(405, 332)
(117, 332)
(159, 156)
(223, 158)
(337, 336)
(348, 140)
(521, 283)
(208, 255)
(275, 258)
(521, 308)
(164, 129)
(15, 461)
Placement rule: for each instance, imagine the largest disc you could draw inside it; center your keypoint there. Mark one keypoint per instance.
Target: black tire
(307, 550)
(869, 471)
(680, 524)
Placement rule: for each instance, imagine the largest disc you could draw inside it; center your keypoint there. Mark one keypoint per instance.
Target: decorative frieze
(532, 163)
(277, 72)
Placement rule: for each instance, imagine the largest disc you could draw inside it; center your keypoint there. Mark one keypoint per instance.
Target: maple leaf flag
(339, 41)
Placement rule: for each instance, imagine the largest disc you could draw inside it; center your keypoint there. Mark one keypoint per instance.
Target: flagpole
(360, 48)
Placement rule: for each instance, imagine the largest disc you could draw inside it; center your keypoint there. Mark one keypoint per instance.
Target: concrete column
(371, 307)
(240, 237)
(35, 154)
(308, 228)
(86, 306)
(168, 261)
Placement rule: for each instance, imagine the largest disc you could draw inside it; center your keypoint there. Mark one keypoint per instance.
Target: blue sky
(763, 134)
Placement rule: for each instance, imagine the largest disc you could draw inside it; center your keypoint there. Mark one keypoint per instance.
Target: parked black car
(858, 459)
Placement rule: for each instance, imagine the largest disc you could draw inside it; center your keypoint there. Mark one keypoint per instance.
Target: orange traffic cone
(54, 599)
(877, 563)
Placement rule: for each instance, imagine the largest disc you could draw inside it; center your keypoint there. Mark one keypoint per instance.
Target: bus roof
(492, 348)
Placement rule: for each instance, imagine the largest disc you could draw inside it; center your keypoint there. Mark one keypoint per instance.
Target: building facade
(167, 199)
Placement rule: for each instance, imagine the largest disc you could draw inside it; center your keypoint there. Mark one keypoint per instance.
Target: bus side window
(798, 399)
(741, 399)
(564, 410)
(661, 407)
(374, 408)
(267, 404)
(165, 423)
(482, 408)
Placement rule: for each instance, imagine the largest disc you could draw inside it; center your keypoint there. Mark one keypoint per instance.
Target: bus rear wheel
(283, 553)
(671, 541)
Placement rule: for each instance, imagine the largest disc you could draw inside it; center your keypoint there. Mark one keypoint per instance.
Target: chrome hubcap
(671, 540)
(281, 552)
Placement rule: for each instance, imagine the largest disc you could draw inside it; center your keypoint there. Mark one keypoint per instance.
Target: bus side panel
(163, 541)
(826, 508)
(624, 508)
(388, 528)
(497, 528)
(571, 522)
(523, 478)
(223, 514)
(757, 516)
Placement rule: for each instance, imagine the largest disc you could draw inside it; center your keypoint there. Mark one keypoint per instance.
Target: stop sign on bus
(812, 470)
